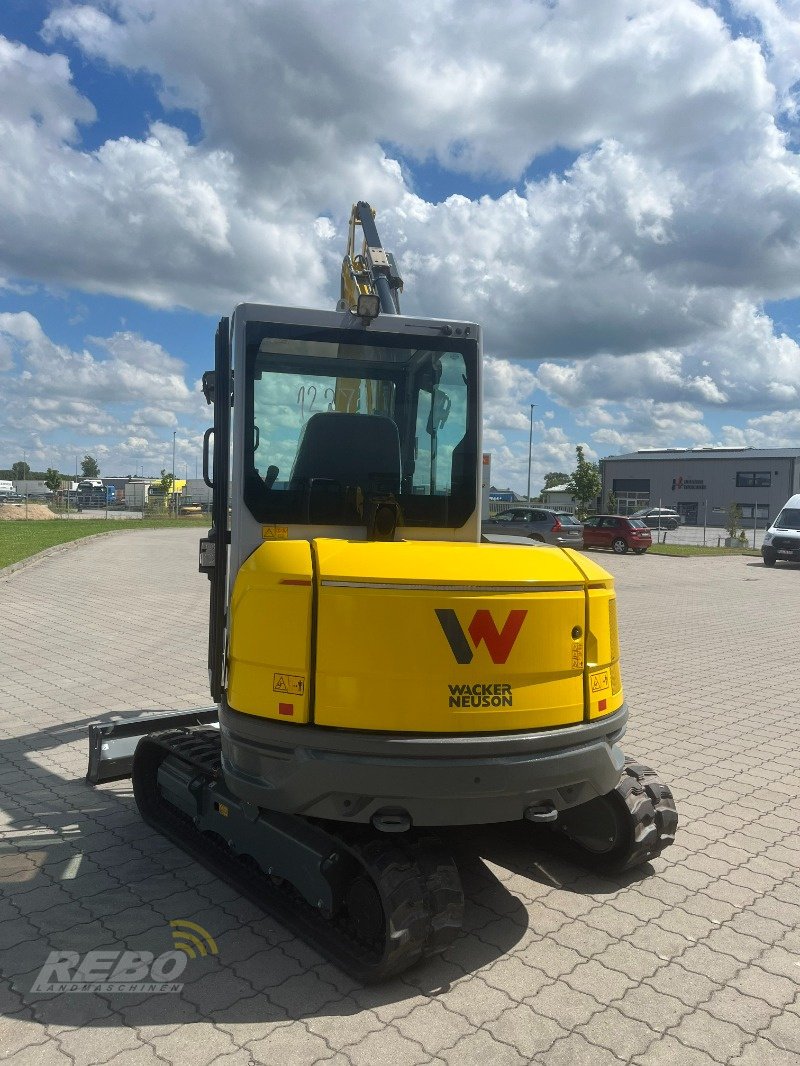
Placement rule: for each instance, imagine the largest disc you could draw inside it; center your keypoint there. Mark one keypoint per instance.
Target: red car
(617, 533)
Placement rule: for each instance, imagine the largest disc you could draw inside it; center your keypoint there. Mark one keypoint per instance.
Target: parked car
(659, 517)
(537, 523)
(617, 533)
(11, 497)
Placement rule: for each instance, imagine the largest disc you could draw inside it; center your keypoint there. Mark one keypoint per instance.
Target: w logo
(482, 628)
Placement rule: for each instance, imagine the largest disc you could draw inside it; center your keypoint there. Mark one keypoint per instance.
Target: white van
(782, 539)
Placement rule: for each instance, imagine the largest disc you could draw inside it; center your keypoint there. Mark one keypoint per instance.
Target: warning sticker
(600, 681)
(274, 532)
(577, 657)
(289, 683)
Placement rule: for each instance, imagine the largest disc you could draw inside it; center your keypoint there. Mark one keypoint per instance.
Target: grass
(20, 539)
(696, 549)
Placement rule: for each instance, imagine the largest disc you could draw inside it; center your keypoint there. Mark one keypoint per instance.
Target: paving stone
(289, 1044)
(478, 1001)
(722, 1040)
(632, 961)
(658, 1010)
(699, 951)
(748, 1012)
(618, 1033)
(784, 1032)
(517, 977)
(387, 1045)
(20, 1035)
(481, 1047)
(216, 991)
(304, 994)
(526, 1029)
(762, 1052)
(198, 1044)
(39, 1055)
(576, 1050)
(599, 981)
(564, 1005)
(141, 1056)
(667, 1051)
(88, 1046)
(434, 1027)
(779, 961)
(772, 988)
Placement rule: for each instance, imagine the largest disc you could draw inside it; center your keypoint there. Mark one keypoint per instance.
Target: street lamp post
(530, 453)
(174, 497)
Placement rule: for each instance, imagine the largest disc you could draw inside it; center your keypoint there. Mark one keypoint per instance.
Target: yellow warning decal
(291, 683)
(577, 656)
(600, 681)
(274, 532)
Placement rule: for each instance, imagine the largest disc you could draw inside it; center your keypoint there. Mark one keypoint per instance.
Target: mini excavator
(380, 673)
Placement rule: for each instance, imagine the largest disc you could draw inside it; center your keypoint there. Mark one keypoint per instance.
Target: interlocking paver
(530, 1032)
(434, 1026)
(693, 961)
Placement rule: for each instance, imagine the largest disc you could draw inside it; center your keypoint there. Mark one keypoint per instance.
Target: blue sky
(611, 189)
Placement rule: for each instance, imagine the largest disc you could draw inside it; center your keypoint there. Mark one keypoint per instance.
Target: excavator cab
(380, 674)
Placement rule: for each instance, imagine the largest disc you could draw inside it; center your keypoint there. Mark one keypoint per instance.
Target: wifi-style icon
(192, 939)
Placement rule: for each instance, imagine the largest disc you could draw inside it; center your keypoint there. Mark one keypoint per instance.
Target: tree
(164, 489)
(555, 477)
(52, 479)
(584, 483)
(89, 467)
(612, 503)
(733, 524)
(20, 471)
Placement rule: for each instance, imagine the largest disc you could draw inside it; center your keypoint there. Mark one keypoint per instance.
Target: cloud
(637, 275)
(779, 26)
(747, 366)
(57, 400)
(683, 195)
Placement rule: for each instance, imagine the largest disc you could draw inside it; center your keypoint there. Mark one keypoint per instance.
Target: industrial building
(702, 483)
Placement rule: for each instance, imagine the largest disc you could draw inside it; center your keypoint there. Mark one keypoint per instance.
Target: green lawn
(695, 549)
(20, 539)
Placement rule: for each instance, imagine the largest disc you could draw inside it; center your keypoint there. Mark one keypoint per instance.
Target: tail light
(557, 527)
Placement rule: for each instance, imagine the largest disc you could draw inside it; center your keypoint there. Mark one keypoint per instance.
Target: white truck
(782, 539)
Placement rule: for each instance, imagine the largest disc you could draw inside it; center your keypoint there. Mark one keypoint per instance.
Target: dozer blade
(112, 744)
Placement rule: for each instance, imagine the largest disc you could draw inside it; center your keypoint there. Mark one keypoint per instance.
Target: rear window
(568, 520)
(637, 523)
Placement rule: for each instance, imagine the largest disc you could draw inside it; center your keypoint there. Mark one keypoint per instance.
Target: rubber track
(646, 823)
(652, 810)
(418, 883)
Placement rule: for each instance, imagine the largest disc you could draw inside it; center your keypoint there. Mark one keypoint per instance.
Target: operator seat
(339, 454)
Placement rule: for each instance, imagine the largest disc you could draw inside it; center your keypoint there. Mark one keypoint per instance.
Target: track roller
(371, 903)
(625, 828)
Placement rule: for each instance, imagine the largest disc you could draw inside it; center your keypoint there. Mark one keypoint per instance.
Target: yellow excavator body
(423, 637)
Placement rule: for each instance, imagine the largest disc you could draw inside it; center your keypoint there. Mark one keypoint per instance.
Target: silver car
(537, 523)
(658, 517)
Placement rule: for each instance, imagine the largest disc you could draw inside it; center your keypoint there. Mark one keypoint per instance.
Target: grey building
(703, 482)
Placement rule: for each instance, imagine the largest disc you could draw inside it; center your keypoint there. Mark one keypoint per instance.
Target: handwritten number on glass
(308, 395)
